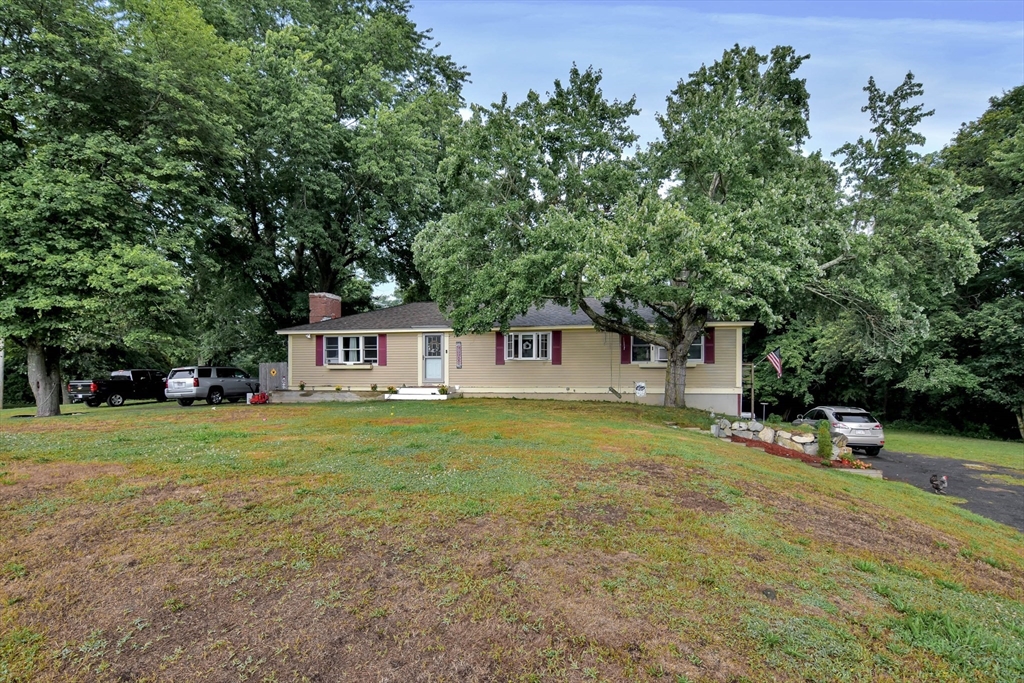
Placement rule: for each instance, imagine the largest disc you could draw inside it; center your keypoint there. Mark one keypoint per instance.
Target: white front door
(433, 358)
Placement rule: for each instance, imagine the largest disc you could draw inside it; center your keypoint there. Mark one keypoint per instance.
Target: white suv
(863, 432)
(215, 384)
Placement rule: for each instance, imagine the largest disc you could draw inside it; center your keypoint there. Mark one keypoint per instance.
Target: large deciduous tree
(979, 351)
(884, 318)
(113, 122)
(552, 210)
(343, 128)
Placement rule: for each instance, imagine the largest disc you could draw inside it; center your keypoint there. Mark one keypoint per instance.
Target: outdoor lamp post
(763, 409)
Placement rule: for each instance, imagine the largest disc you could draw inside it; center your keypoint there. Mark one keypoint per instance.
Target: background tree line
(176, 176)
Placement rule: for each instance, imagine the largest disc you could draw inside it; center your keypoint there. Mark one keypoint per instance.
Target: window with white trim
(348, 350)
(643, 352)
(528, 345)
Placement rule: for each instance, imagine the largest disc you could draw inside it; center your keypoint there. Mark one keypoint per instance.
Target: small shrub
(373, 387)
(302, 386)
(443, 390)
(824, 440)
(337, 387)
(392, 390)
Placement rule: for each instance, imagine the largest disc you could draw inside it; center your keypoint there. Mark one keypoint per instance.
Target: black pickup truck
(120, 386)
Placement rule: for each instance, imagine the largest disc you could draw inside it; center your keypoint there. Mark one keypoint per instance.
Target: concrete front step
(417, 394)
(415, 397)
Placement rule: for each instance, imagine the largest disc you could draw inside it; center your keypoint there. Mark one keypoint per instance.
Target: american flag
(776, 360)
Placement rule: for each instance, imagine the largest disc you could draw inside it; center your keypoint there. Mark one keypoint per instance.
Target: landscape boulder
(782, 433)
(744, 433)
(716, 431)
(723, 424)
(767, 435)
(811, 448)
(755, 426)
(840, 440)
(803, 438)
(788, 443)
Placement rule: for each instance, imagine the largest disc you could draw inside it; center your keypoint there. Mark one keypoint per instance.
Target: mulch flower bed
(776, 449)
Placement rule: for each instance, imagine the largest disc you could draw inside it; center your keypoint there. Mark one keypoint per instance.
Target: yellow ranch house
(550, 352)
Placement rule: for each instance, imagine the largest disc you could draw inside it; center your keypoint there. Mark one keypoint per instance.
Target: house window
(697, 350)
(528, 345)
(343, 350)
(644, 352)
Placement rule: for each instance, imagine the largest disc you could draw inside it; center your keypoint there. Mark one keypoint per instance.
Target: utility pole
(1, 374)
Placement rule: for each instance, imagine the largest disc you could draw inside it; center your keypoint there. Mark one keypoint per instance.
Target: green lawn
(1003, 453)
(477, 540)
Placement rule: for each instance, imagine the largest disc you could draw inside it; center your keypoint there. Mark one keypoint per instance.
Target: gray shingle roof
(407, 316)
(427, 315)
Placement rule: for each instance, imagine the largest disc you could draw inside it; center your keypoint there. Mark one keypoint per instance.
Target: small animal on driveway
(938, 483)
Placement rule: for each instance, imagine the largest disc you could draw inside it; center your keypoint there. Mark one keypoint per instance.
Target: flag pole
(752, 366)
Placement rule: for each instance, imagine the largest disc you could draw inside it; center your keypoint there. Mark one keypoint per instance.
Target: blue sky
(963, 52)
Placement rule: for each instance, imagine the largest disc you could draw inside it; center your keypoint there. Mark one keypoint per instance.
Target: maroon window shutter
(625, 349)
(499, 348)
(319, 349)
(709, 345)
(556, 347)
(382, 349)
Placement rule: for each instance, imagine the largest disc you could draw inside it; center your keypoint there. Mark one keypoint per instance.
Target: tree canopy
(343, 124)
(114, 126)
(725, 217)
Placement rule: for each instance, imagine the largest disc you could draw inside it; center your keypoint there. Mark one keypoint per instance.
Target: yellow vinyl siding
(586, 359)
(590, 360)
(590, 364)
(401, 367)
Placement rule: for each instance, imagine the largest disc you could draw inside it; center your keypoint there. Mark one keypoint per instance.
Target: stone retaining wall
(794, 441)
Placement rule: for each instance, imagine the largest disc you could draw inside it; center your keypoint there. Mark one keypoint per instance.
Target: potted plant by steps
(302, 386)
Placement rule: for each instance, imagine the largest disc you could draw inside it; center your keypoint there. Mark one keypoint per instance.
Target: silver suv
(215, 384)
(863, 432)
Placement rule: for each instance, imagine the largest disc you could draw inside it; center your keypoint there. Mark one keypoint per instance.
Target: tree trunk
(1020, 419)
(685, 333)
(44, 377)
(675, 378)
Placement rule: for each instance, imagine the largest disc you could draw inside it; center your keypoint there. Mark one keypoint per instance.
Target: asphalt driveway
(986, 496)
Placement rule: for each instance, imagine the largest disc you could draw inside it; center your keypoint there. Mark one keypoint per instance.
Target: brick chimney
(324, 306)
